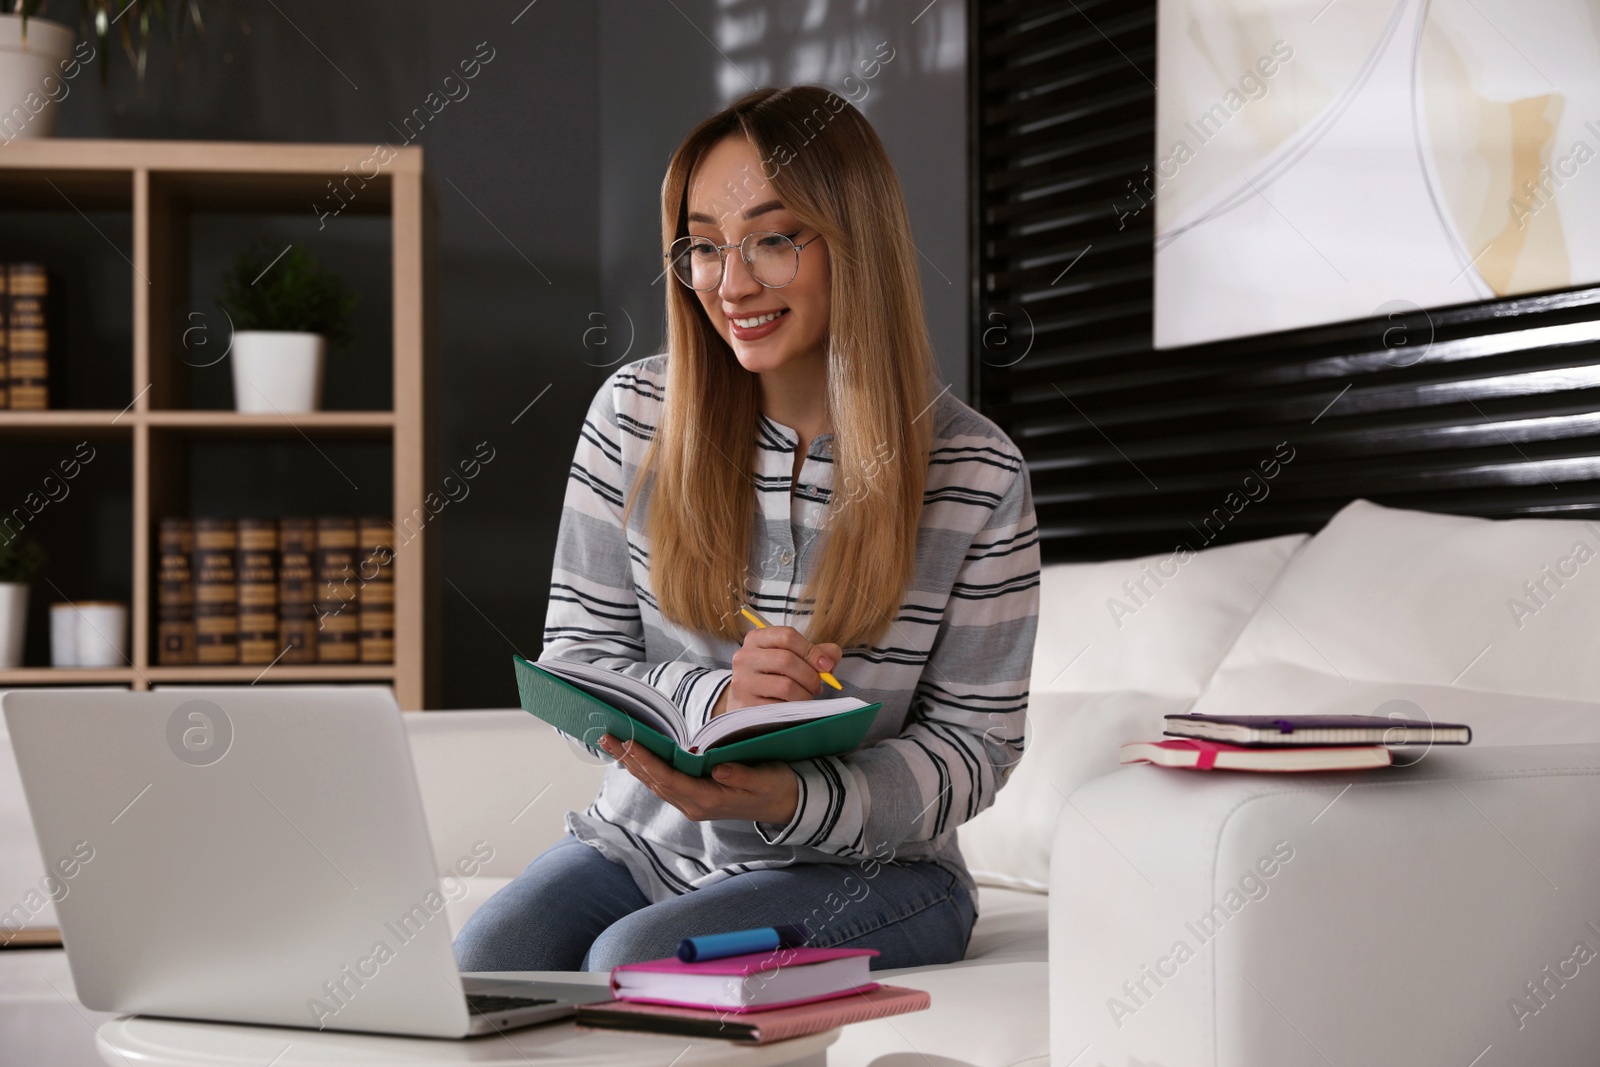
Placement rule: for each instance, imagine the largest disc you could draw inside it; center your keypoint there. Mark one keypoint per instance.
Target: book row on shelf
(262, 591)
(24, 336)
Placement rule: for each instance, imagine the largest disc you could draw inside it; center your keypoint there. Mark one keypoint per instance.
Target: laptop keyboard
(485, 1003)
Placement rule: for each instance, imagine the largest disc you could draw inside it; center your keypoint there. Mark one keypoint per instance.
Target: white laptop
(251, 856)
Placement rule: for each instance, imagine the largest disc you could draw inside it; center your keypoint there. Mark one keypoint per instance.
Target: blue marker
(715, 946)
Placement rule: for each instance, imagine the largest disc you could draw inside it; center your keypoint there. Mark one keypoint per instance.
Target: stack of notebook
(754, 998)
(1281, 744)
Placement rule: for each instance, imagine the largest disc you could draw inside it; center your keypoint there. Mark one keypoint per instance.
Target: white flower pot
(31, 82)
(13, 623)
(277, 371)
(101, 639)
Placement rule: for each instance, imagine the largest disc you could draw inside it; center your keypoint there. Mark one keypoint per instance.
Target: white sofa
(1413, 910)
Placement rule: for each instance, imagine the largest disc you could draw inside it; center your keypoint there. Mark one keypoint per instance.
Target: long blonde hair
(825, 162)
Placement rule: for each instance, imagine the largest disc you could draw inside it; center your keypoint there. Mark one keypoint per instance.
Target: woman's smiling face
(727, 199)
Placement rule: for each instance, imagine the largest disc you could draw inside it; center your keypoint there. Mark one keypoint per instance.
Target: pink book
(1191, 753)
(754, 1028)
(754, 981)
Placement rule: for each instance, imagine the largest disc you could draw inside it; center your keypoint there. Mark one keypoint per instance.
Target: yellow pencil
(750, 613)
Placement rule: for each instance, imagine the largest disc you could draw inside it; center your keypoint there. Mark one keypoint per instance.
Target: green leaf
(272, 289)
(21, 559)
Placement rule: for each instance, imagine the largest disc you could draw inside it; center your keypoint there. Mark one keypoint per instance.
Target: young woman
(791, 450)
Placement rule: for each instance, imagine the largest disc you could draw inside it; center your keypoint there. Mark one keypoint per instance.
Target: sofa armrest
(1415, 914)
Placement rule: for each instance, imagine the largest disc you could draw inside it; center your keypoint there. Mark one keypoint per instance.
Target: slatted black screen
(1486, 409)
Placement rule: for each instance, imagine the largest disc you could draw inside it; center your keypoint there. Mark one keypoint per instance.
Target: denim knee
(545, 918)
(632, 939)
(487, 946)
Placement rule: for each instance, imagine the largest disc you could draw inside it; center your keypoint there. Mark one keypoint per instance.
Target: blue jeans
(572, 909)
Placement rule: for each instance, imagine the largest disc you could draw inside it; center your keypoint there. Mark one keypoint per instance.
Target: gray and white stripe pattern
(952, 671)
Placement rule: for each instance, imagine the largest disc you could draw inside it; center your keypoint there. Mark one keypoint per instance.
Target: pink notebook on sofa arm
(755, 981)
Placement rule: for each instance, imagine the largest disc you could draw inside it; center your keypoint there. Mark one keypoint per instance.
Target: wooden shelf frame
(223, 674)
(162, 183)
(113, 423)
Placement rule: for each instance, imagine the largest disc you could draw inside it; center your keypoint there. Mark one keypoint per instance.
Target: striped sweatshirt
(952, 671)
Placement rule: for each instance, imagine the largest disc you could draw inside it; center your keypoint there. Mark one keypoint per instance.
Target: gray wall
(547, 176)
(662, 73)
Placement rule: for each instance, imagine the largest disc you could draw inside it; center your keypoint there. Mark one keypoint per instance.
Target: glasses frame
(722, 257)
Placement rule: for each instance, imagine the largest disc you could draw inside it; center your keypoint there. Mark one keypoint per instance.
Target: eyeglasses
(772, 258)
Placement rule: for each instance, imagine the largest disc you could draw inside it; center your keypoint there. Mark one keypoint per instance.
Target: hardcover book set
(291, 590)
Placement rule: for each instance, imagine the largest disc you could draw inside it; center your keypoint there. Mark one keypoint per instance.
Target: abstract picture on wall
(1320, 161)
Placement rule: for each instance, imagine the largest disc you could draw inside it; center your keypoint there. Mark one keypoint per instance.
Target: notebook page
(764, 718)
(641, 701)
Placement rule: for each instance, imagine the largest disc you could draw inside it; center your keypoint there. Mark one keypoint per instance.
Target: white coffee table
(134, 1039)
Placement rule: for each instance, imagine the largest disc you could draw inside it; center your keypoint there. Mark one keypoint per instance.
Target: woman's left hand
(760, 792)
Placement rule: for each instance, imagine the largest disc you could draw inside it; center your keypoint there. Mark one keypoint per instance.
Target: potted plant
(38, 63)
(35, 57)
(285, 310)
(21, 559)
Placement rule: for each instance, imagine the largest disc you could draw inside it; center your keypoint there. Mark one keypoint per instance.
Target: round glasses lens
(697, 263)
(773, 258)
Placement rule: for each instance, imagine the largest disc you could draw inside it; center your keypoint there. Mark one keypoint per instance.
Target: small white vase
(277, 371)
(32, 84)
(101, 639)
(13, 623)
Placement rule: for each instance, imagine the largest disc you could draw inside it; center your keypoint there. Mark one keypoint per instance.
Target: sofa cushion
(1156, 624)
(1387, 595)
(1439, 617)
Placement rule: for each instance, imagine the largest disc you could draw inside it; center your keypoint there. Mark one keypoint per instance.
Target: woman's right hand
(776, 664)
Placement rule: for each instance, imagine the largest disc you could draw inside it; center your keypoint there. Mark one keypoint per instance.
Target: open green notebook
(585, 701)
